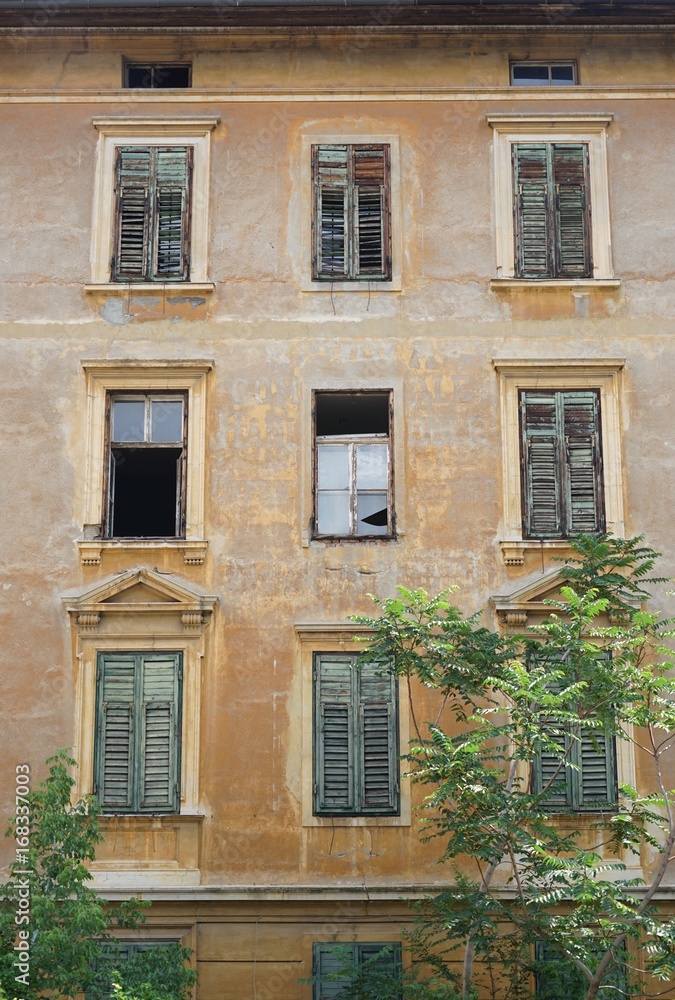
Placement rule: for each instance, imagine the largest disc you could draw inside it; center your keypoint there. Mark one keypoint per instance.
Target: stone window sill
(502, 284)
(185, 289)
(194, 550)
(513, 551)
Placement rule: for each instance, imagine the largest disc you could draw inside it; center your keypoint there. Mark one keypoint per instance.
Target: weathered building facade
(282, 290)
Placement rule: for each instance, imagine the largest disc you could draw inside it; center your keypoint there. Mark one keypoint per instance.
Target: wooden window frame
(549, 63)
(605, 375)
(123, 131)
(359, 952)
(111, 399)
(582, 128)
(355, 705)
(352, 440)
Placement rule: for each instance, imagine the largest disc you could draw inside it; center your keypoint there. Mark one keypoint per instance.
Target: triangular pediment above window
(141, 595)
(516, 608)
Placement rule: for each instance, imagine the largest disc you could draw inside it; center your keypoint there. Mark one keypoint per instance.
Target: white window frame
(114, 132)
(114, 376)
(591, 129)
(559, 374)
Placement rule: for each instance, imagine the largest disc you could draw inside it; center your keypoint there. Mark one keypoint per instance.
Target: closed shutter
(552, 210)
(351, 218)
(152, 213)
(533, 229)
(328, 963)
(133, 211)
(583, 462)
(570, 177)
(115, 732)
(561, 458)
(334, 734)
(379, 732)
(160, 740)
(596, 780)
(550, 771)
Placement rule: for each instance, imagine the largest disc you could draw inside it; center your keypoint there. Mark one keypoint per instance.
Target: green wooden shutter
(328, 963)
(334, 734)
(572, 208)
(172, 212)
(371, 211)
(378, 724)
(134, 170)
(159, 756)
(533, 234)
(331, 211)
(596, 780)
(115, 731)
(541, 465)
(583, 465)
(546, 766)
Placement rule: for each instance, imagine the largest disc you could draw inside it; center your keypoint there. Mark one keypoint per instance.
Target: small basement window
(145, 489)
(157, 76)
(353, 464)
(543, 74)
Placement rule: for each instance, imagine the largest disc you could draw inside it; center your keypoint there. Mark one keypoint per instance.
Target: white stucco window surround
(340, 638)
(306, 202)
(591, 129)
(107, 376)
(193, 131)
(604, 375)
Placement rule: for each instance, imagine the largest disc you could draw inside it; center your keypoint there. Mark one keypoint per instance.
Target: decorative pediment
(515, 608)
(144, 594)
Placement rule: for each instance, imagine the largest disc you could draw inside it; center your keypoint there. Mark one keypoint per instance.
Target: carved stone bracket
(88, 622)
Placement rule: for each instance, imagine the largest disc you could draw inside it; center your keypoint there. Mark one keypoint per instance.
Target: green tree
(525, 896)
(57, 943)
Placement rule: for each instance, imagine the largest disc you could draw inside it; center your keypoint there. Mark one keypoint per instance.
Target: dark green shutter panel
(134, 169)
(596, 781)
(327, 963)
(584, 492)
(160, 738)
(532, 216)
(335, 737)
(379, 732)
(547, 767)
(172, 215)
(330, 166)
(573, 244)
(542, 492)
(114, 750)
(371, 210)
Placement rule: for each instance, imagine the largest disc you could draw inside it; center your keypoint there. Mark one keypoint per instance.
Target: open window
(353, 485)
(146, 469)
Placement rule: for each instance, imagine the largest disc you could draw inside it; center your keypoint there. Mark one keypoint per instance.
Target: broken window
(561, 463)
(353, 464)
(157, 76)
(152, 213)
(351, 218)
(145, 487)
(543, 74)
(552, 210)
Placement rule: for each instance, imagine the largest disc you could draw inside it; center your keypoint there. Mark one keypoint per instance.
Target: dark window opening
(543, 74)
(353, 465)
(157, 76)
(146, 466)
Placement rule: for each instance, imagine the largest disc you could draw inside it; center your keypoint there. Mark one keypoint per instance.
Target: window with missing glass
(157, 76)
(353, 484)
(145, 473)
(543, 74)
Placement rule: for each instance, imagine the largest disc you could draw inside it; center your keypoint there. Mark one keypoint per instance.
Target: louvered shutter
(572, 207)
(596, 779)
(378, 759)
(371, 211)
(134, 172)
(115, 732)
(328, 963)
(541, 465)
(549, 771)
(331, 212)
(334, 734)
(531, 211)
(172, 212)
(584, 492)
(160, 735)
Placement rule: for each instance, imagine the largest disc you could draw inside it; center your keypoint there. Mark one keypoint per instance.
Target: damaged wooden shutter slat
(174, 165)
(371, 174)
(134, 171)
(570, 177)
(334, 734)
(160, 735)
(114, 746)
(330, 164)
(531, 211)
(541, 460)
(379, 735)
(584, 491)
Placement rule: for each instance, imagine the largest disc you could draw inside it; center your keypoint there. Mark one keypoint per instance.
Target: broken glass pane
(128, 420)
(167, 420)
(371, 466)
(333, 514)
(333, 467)
(371, 513)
